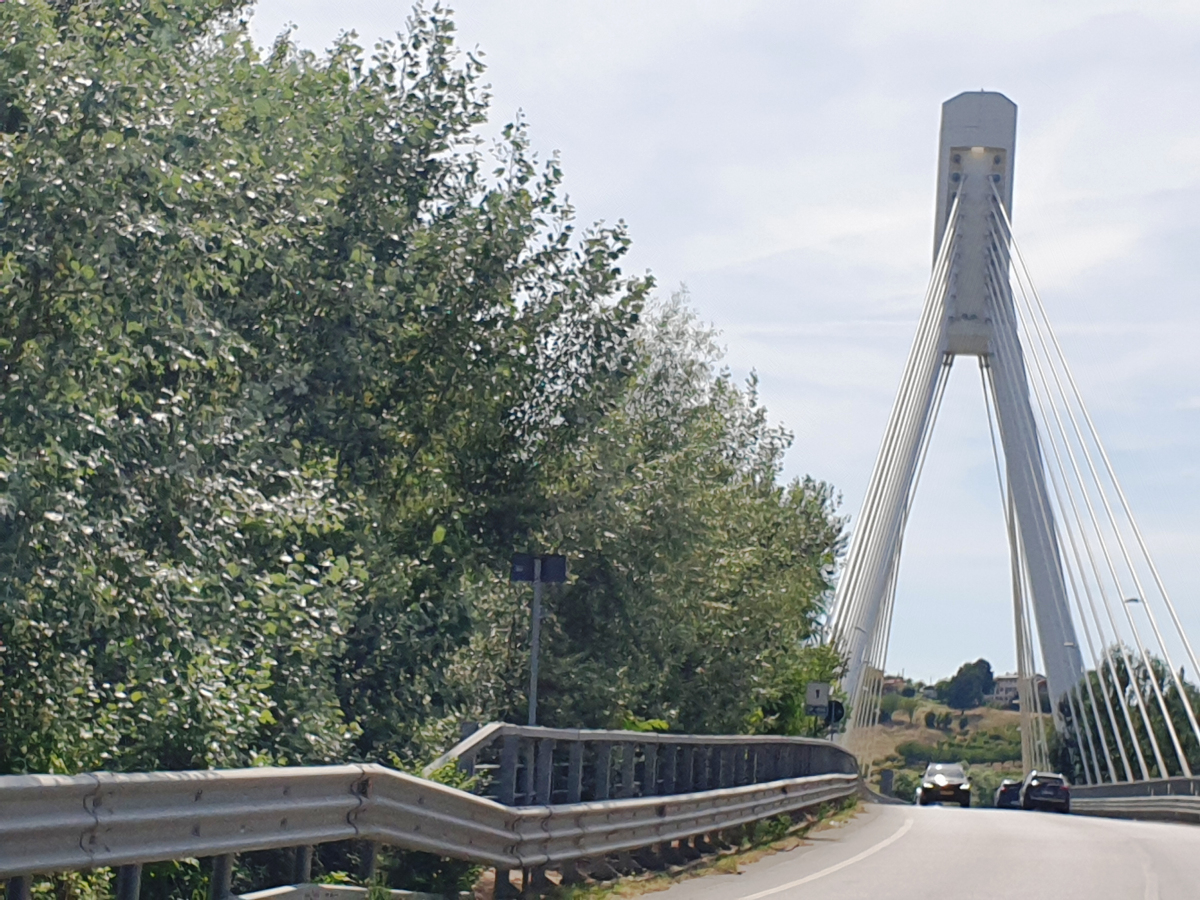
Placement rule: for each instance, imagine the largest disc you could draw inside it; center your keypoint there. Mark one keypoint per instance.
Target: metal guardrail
(519, 765)
(1163, 799)
(59, 823)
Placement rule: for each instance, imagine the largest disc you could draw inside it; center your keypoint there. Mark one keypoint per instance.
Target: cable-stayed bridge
(1089, 604)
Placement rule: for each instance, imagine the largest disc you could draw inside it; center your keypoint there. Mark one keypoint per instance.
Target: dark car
(1045, 790)
(944, 783)
(1008, 795)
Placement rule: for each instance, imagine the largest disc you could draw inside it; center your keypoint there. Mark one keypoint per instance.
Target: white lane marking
(870, 851)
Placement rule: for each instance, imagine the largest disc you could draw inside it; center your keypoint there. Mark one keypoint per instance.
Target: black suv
(1045, 790)
(1008, 795)
(944, 782)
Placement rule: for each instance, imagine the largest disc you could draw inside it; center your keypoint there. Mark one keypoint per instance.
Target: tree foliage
(966, 689)
(292, 362)
(1089, 739)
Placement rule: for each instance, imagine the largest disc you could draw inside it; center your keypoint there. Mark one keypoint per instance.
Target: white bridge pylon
(1071, 542)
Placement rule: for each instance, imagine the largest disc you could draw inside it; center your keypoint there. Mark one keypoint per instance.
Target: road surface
(948, 853)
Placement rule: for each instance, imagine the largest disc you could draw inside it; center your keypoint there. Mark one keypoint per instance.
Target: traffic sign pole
(535, 639)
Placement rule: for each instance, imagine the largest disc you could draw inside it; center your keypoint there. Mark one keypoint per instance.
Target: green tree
(888, 704)
(284, 362)
(291, 366)
(909, 705)
(966, 689)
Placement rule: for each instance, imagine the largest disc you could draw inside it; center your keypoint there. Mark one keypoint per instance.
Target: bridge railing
(51, 823)
(518, 765)
(1164, 799)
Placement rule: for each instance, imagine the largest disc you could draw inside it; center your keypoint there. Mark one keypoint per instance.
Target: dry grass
(880, 742)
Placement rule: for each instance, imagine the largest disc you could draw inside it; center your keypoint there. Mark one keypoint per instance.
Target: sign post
(538, 569)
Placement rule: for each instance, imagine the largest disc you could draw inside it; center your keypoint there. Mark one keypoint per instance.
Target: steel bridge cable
(1131, 521)
(866, 551)
(881, 627)
(1031, 747)
(989, 395)
(1112, 476)
(1167, 717)
(883, 630)
(1037, 391)
(1051, 433)
(849, 614)
(1009, 334)
(1030, 459)
(1142, 707)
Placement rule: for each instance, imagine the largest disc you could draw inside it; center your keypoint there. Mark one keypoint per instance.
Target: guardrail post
(220, 885)
(504, 887)
(687, 777)
(129, 882)
(467, 762)
(368, 861)
(527, 764)
(739, 765)
(603, 765)
(670, 767)
(302, 865)
(17, 888)
(506, 787)
(649, 770)
(544, 773)
(727, 773)
(575, 772)
(628, 758)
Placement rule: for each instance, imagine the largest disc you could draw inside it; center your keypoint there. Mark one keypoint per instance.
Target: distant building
(1005, 691)
(893, 684)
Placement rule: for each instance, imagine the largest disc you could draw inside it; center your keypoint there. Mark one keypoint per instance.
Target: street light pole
(535, 638)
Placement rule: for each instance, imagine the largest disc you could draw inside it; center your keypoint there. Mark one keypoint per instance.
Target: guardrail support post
(504, 889)
(628, 758)
(506, 787)
(603, 765)
(710, 764)
(650, 770)
(739, 766)
(544, 772)
(670, 767)
(302, 865)
(129, 882)
(687, 777)
(17, 888)
(575, 772)
(369, 861)
(525, 788)
(220, 885)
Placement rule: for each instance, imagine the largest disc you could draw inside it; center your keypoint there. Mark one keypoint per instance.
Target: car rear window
(950, 770)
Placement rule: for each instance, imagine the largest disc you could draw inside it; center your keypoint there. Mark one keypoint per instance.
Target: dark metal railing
(519, 765)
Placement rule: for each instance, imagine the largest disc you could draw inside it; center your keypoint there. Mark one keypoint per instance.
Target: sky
(778, 159)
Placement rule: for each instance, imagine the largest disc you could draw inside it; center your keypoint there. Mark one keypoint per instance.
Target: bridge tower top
(975, 161)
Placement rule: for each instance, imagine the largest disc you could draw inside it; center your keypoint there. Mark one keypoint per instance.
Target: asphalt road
(939, 853)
